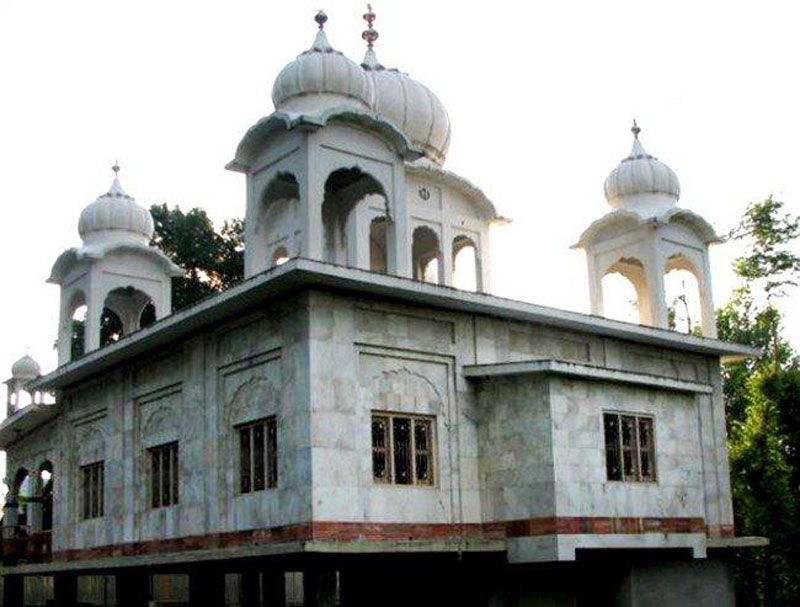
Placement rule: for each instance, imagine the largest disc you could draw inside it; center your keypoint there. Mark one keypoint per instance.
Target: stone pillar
(207, 587)
(12, 590)
(10, 522)
(319, 587)
(133, 589)
(274, 586)
(250, 589)
(35, 506)
(65, 586)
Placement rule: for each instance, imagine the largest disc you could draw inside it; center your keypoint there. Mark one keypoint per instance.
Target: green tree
(763, 408)
(213, 260)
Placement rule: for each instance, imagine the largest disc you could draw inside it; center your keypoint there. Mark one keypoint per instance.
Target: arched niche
(426, 255)
(466, 264)
(345, 240)
(624, 288)
(684, 294)
(124, 309)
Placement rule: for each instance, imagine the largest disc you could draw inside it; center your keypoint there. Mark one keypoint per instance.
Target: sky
(540, 95)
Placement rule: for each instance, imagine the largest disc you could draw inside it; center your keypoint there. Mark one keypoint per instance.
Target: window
(92, 490)
(402, 449)
(258, 455)
(630, 448)
(164, 475)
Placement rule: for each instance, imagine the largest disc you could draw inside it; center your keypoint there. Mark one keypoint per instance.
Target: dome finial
(370, 34)
(115, 168)
(321, 18)
(635, 130)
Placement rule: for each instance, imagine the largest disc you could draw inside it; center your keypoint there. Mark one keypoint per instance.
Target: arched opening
(682, 292)
(23, 492)
(378, 258)
(344, 190)
(283, 186)
(426, 255)
(276, 222)
(46, 481)
(280, 256)
(111, 329)
(77, 329)
(622, 291)
(466, 264)
(124, 310)
(148, 316)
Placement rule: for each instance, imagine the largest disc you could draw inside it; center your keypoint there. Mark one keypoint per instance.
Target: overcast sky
(540, 95)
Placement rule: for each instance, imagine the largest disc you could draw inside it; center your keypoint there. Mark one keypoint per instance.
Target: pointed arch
(346, 189)
(466, 264)
(683, 289)
(625, 289)
(426, 255)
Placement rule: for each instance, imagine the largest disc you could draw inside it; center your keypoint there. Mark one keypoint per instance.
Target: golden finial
(370, 34)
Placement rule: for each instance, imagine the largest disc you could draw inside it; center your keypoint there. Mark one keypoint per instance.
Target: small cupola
(115, 217)
(321, 78)
(23, 371)
(641, 182)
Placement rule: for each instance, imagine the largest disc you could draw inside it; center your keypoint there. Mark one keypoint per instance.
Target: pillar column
(10, 522)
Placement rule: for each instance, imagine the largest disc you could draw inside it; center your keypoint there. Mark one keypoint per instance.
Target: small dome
(406, 103)
(115, 216)
(641, 181)
(321, 78)
(414, 109)
(26, 368)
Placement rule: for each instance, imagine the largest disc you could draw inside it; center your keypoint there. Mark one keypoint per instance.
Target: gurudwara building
(344, 427)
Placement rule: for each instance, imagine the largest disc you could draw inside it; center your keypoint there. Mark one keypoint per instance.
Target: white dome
(410, 106)
(642, 181)
(26, 368)
(115, 216)
(321, 78)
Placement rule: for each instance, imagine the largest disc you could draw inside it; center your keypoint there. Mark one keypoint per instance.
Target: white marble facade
(352, 231)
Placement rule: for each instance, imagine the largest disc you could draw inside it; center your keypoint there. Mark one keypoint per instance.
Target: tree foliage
(763, 407)
(214, 261)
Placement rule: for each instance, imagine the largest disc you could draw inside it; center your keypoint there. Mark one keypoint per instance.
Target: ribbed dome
(115, 216)
(641, 181)
(321, 78)
(26, 368)
(411, 106)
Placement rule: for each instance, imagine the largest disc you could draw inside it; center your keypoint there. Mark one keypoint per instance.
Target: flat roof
(298, 274)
